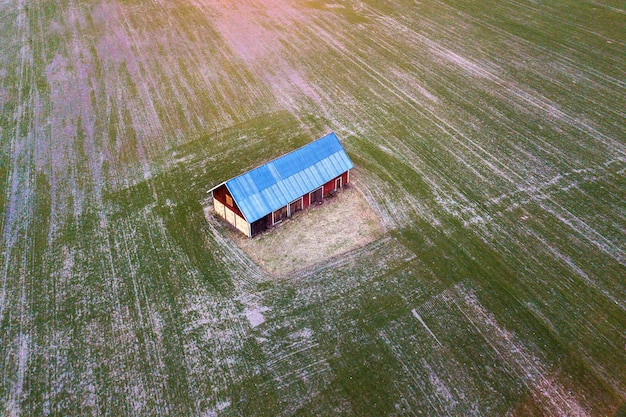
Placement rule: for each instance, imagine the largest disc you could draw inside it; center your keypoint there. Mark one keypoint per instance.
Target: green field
(489, 136)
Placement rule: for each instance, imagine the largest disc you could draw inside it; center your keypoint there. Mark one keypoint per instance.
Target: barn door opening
(295, 206)
(280, 214)
(338, 183)
(317, 195)
(260, 225)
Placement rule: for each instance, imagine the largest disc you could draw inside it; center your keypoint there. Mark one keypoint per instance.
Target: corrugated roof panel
(279, 182)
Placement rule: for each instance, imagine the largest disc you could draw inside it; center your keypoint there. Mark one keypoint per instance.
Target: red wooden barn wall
(220, 194)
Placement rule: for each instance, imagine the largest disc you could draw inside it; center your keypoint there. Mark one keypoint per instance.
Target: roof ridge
(283, 155)
(277, 158)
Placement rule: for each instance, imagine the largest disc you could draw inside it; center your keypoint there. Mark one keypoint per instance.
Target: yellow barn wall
(231, 217)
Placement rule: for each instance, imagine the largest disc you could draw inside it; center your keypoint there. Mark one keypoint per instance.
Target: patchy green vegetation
(489, 138)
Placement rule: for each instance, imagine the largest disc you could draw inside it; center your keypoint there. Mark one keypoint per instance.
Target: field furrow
(488, 137)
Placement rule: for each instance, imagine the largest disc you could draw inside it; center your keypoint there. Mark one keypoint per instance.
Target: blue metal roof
(277, 183)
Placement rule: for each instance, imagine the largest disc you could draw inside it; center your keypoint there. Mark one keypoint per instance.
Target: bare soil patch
(338, 225)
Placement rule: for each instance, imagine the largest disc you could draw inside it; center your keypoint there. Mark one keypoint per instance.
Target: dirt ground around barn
(338, 225)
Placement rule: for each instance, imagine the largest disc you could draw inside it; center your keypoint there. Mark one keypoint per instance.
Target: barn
(270, 193)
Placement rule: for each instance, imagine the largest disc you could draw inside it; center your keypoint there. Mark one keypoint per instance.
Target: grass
(489, 139)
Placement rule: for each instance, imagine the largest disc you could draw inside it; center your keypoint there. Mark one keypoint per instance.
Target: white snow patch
(419, 318)
(13, 404)
(255, 316)
(440, 387)
(467, 65)
(305, 333)
(217, 410)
